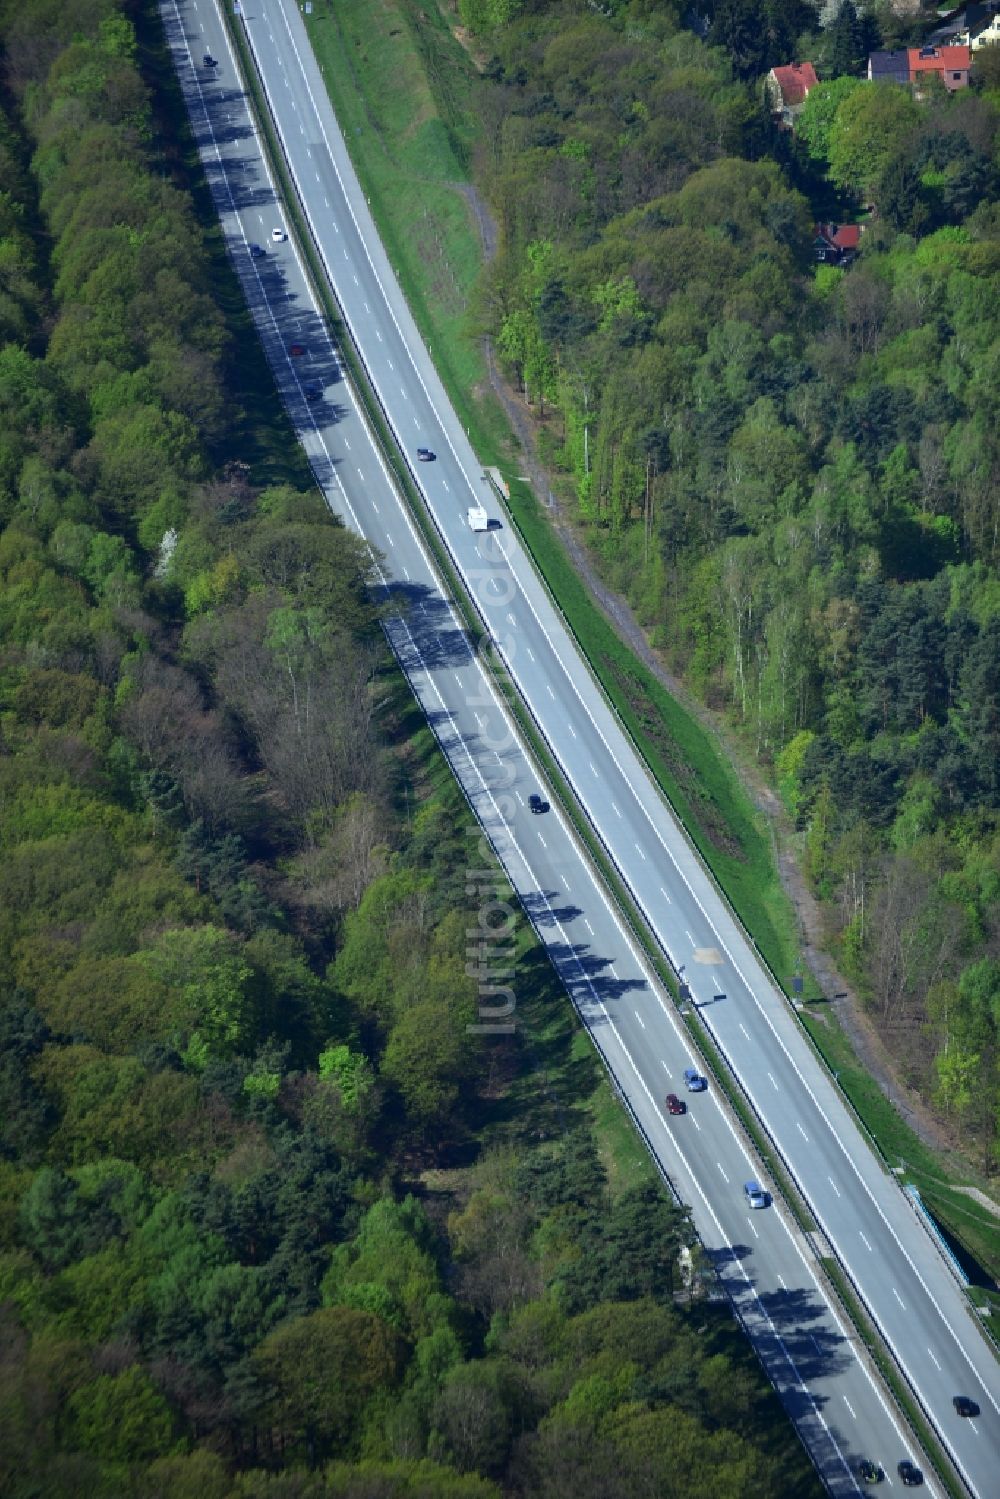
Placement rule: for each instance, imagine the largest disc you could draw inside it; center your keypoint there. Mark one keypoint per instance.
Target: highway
(765, 1262)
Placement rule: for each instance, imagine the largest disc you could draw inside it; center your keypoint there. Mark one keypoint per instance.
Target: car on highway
(313, 392)
(256, 251)
(787, 1099)
(425, 455)
(278, 235)
(964, 1406)
(296, 350)
(869, 1472)
(675, 1105)
(693, 1080)
(537, 804)
(209, 61)
(910, 1475)
(755, 1195)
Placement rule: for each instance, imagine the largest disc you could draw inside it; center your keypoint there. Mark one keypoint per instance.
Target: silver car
(755, 1195)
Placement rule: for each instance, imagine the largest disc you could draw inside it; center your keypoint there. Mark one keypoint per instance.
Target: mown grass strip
(369, 56)
(406, 100)
(627, 909)
(372, 53)
(351, 67)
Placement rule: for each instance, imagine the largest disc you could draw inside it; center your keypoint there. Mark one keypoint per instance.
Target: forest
(790, 468)
(273, 1221)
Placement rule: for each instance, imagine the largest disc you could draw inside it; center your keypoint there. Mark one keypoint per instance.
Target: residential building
(913, 65)
(982, 24)
(950, 64)
(787, 89)
(889, 67)
(837, 244)
(972, 26)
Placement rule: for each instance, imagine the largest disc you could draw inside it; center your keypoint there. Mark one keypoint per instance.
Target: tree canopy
(244, 1129)
(788, 467)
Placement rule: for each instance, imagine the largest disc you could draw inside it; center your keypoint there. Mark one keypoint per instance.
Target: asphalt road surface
(765, 1262)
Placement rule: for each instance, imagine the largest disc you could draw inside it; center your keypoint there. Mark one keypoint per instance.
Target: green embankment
(409, 126)
(404, 90)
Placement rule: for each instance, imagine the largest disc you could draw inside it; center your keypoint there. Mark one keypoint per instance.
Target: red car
(674, 1104)
(296, 350)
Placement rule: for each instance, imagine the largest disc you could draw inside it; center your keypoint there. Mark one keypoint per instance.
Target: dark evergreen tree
(901, 198)
(846, 42)
(980, 712)
(740, 26)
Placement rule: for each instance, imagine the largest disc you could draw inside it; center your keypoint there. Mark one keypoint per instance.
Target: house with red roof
(912, 64)
(950, 64)
(837, 244)
(787, 89)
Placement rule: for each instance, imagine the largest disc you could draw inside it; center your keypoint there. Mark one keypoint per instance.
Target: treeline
(791, 469)
(250, 1241)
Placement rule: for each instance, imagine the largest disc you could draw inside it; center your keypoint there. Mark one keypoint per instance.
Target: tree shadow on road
(431, 639)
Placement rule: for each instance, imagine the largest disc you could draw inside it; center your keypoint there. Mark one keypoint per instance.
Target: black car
(909, 1474)
(869, 1472)
(209, 61)
(425, 455)
(257, 252)
(964, 1406)
(313, 392)
(537, 804)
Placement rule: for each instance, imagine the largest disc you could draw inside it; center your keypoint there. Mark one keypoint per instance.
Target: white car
(278, 235)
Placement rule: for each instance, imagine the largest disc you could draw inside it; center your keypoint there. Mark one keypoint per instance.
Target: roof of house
(841, 236)
(894, 66)
(795, 80)
(939, 59)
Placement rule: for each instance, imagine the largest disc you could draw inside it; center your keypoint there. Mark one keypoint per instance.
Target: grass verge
(615, 1131)
(375, 62)
(406, 99)
(627, 1160)
(269, 440)
(405, 93)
